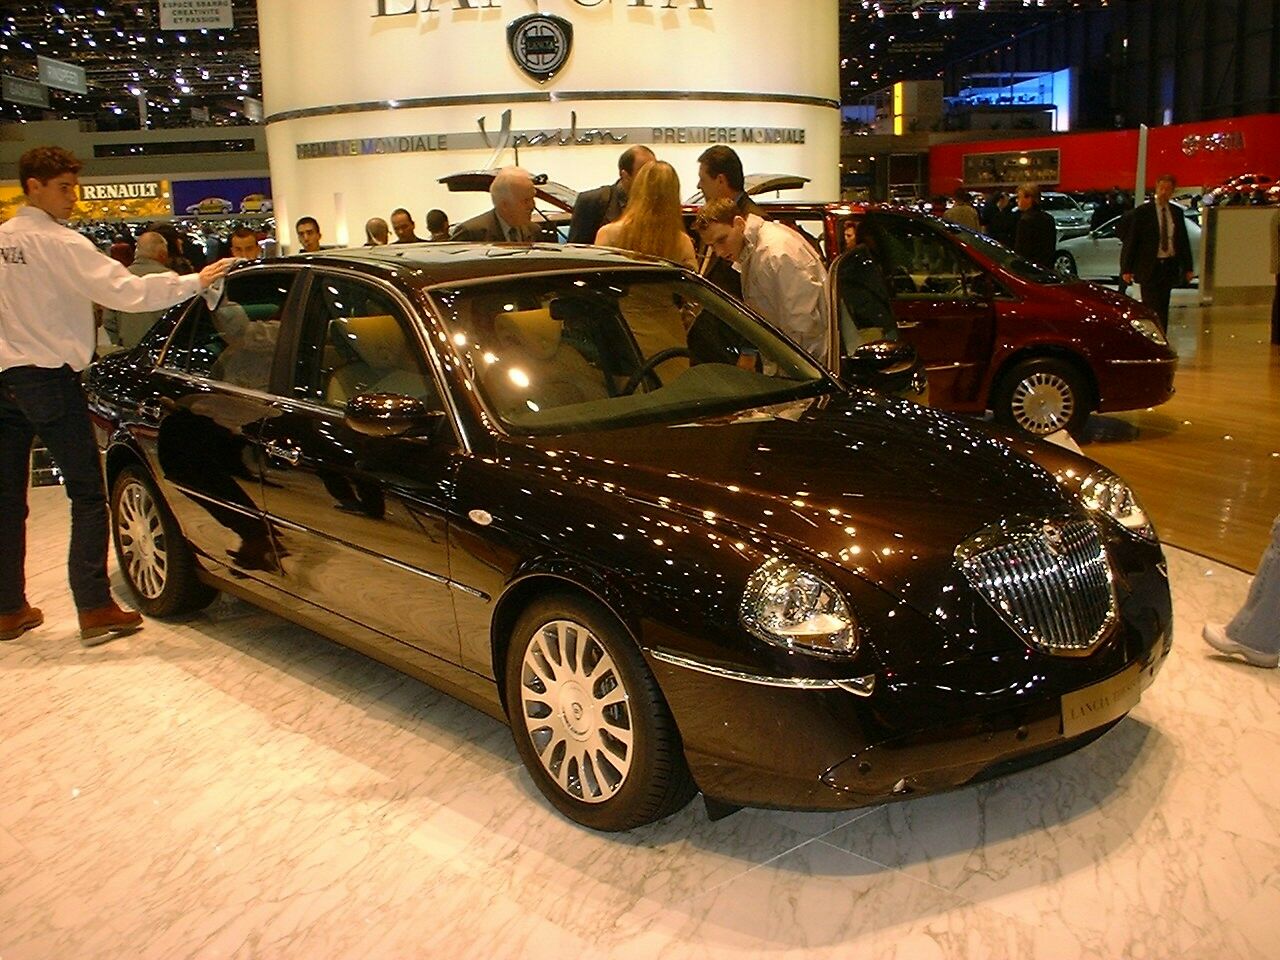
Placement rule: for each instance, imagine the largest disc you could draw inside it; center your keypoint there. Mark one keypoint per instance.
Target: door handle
(289, 455)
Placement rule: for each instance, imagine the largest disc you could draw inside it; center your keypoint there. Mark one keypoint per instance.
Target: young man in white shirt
(782, 275)
(50, 277)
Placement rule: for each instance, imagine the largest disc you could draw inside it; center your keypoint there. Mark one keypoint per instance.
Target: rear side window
(236, 341)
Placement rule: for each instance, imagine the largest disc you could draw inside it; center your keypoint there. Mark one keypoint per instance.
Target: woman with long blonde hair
(652, 222)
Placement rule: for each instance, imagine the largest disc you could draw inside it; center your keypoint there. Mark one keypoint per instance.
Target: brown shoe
(14, 625)
(106, 623)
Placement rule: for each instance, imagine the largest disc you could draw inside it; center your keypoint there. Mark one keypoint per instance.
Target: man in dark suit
(720, 176)
(1036, 236)
(511, 218)
(594, 208)
(1157, 251)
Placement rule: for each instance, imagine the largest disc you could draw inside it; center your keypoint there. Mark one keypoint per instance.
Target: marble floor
(233, 786)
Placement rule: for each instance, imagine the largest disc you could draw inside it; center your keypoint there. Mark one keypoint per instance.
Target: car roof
(429, 264)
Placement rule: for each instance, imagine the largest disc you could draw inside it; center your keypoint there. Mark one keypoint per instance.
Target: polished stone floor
(235, 787)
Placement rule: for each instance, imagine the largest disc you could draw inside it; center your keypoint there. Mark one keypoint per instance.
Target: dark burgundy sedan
(994, 331)
(593, 497)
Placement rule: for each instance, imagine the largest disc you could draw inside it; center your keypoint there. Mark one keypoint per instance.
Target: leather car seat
(386, 363)
(535, 365)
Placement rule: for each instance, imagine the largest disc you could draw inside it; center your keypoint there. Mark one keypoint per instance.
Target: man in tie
(1156, 251)
(511, 218)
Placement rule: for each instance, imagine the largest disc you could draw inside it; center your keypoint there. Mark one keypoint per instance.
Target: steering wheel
(647, 368)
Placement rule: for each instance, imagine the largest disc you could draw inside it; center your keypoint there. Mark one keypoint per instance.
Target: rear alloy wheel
(589, 720)
(154, 557)
(1064, 264)
(1039, 397)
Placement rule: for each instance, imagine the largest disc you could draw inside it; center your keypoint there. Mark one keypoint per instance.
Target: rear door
(942, 305)
(211, 394)
(362, 521)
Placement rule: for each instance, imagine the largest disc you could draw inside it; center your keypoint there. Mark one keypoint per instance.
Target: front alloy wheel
(588, 718)
(1040, 397)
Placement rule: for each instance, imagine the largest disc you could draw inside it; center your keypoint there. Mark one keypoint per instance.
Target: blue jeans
(50, 404)
(1257, 625)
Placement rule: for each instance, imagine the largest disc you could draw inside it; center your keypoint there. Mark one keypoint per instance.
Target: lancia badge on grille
(1052, 538)
(540, 44)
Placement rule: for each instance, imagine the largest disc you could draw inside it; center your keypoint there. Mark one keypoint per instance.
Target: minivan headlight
(1149, 329)
(1103, 492)
(794, 608)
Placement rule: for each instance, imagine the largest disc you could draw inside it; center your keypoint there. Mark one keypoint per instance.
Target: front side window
(617, 348)
(356, 339)
(919, 262)
(234, 342)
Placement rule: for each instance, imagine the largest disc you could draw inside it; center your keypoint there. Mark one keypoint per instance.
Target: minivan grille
(1049, 580)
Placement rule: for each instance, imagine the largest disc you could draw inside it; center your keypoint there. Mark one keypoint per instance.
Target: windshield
(551, 354)
(1002, 255)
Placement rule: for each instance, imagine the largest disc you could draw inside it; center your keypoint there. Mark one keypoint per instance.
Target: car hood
(882, 488)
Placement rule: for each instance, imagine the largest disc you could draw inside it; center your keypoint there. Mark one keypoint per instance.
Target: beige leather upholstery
(535, 367)
(387, 363)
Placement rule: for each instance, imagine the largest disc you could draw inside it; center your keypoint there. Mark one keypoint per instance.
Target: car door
(363, 521)
(211, 391)
(942, 305)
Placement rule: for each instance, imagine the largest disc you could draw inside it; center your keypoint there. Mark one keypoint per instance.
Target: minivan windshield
(591, 351)
(1002, 255)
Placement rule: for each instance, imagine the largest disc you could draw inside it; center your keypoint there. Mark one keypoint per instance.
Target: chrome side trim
(1157, 360)
(477, 99)
(861, 686)
(197, 495)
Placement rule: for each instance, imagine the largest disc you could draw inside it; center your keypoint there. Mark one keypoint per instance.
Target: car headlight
(1149, 329)
(1103, 492)
(795, 608)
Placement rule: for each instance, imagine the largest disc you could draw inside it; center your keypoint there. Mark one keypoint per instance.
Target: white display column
(370, 102)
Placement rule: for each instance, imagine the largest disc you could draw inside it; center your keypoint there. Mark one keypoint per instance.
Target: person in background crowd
(404, 227)
(783, 277)
(437, 225)
(595, 208)
(511, 218)
(125, 328)
(1004, 221)
(178, 261)
(964, 212)
(376, 232)
(121, 249)
(850, 235)
(1036, 236)
(307, 230)
(720, 177)
(652, 222)
(1156, 251)
(989, 208)
(50, 277)
(244, 244)
(866, 305)
(1254, 632)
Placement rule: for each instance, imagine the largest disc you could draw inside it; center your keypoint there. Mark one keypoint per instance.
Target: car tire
(1041, 396)
(154, 557)
(588, 718)
(1064, 264)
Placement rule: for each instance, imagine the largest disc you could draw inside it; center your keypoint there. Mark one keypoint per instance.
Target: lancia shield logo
(1052, 538)
(540, 44)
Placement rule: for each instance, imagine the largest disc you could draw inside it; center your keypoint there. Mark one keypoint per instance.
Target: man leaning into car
(782, 275)
(50, 277)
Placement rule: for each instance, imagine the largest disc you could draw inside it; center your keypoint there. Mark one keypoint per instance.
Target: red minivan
(994, 331)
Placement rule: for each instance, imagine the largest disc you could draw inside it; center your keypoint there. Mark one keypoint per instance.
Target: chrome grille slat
(1049, 580)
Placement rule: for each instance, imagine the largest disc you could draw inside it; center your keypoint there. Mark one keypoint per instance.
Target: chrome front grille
(1049, 580)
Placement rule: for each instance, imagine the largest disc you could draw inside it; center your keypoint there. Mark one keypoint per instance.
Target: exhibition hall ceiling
(128, 59)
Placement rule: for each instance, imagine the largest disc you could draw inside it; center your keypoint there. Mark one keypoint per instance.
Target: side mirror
(391, 415)
(889, 366)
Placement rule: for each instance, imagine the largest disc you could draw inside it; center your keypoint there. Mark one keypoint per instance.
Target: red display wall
(1198, 154)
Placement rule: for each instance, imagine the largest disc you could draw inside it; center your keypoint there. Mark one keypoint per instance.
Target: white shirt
(783, 280)
(50, 277)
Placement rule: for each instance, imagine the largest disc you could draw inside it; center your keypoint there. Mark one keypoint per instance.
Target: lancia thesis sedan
(591, 496)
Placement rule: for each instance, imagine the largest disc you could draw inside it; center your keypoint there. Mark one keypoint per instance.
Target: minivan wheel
(1064, 264)
(589, 720)
(1041, 396)
(155, 559)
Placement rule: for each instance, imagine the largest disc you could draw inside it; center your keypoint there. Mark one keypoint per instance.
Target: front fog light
(1103, 492)
(794, 608)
